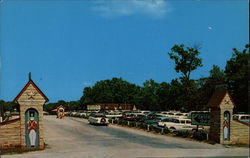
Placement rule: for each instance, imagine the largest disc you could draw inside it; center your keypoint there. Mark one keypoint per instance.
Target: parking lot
(74, 137)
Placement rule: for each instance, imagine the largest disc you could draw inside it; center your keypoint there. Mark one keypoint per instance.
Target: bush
(160, 130)
(184, 133)
(200, 135)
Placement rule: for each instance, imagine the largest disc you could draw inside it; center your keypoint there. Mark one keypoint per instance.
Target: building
(110, 106)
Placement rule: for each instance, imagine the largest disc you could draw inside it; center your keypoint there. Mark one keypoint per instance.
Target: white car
(165, 121)
(242, 117)
(177, 124)
(113, 115)
(98, 119)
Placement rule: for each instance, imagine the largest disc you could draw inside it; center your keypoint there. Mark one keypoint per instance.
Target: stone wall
(215, 124)
(240, 132)
(10, 134)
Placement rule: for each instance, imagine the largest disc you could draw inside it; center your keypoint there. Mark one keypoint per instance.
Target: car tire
(172, 129)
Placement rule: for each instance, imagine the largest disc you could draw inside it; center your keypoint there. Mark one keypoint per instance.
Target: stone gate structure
(25, 132)
(223, 129)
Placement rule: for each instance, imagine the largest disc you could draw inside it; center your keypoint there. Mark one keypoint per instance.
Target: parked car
(153, 119)
(176, 124)
(163, 122)
(82, 114)
(73, 114)
(113, 115)
(98, 119)
(242, 117)
(131, 117)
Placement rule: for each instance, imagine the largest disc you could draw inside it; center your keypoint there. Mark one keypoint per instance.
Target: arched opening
(32, 128)
(226, 126)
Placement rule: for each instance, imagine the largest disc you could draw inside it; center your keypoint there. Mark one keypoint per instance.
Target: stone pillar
(31, 101)
(221, 115)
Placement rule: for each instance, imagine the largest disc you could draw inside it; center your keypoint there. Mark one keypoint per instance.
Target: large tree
(186, 59)
(238, 77)
(184, 90)
(207, 86)
(150, 98)
(115, 90)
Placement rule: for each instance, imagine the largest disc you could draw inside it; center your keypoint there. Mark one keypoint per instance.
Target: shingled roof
(216, 99)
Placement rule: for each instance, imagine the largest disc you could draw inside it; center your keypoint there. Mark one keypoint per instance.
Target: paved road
(75, 138)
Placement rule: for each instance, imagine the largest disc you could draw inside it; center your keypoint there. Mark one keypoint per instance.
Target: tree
(149, 95)
(185, 90)
(217, 74)
(115, 90)
(207, 86)
(186, 59)
(163, 93)
(237, 77)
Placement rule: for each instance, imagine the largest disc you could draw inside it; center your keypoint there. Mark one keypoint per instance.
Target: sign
(200, 118)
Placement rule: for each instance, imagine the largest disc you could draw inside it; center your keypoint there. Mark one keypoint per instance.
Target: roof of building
(26, 86)
(10, 121)
(216, 99)
(60, 106)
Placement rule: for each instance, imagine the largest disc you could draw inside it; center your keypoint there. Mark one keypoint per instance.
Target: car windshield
(176, 121)
(183, 121)
(179, 114)
(166, 120)
(244, 117)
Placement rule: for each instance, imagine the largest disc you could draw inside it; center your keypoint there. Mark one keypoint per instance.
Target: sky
(72, 44)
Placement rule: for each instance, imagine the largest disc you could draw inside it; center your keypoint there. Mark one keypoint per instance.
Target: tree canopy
(237, 77)
(186, 59)
(181, 93)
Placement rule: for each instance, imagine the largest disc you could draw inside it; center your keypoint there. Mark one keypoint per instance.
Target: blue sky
(71, 44)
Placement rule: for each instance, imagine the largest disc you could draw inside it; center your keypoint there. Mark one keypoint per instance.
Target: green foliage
(184, 133)
(200, 135)
(115, 90)
(186, 59)
(207, 86)
(237, 77)
(69, 106)
(217, 74)
(150, 97)
(8, 106)
(182, 94)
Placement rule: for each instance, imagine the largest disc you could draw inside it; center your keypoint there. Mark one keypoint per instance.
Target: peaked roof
(217, 98)
(60, 106)
(35, 86)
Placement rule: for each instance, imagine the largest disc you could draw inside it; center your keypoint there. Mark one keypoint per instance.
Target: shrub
(160, 130)
(184, 133)
(200, 135)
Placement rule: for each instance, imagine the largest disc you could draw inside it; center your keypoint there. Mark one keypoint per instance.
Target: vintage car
(163, 122)
(152, 119)
(98, 119)
(113, 115)
(176, 124)
(242, 117)
(132, 117)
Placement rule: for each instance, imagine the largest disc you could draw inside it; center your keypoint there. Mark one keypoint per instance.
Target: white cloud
(210, 27)
(117, 8)
(86, 83)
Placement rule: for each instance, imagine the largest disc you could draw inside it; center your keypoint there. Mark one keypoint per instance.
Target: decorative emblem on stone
(227, 101)
(31, 94)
